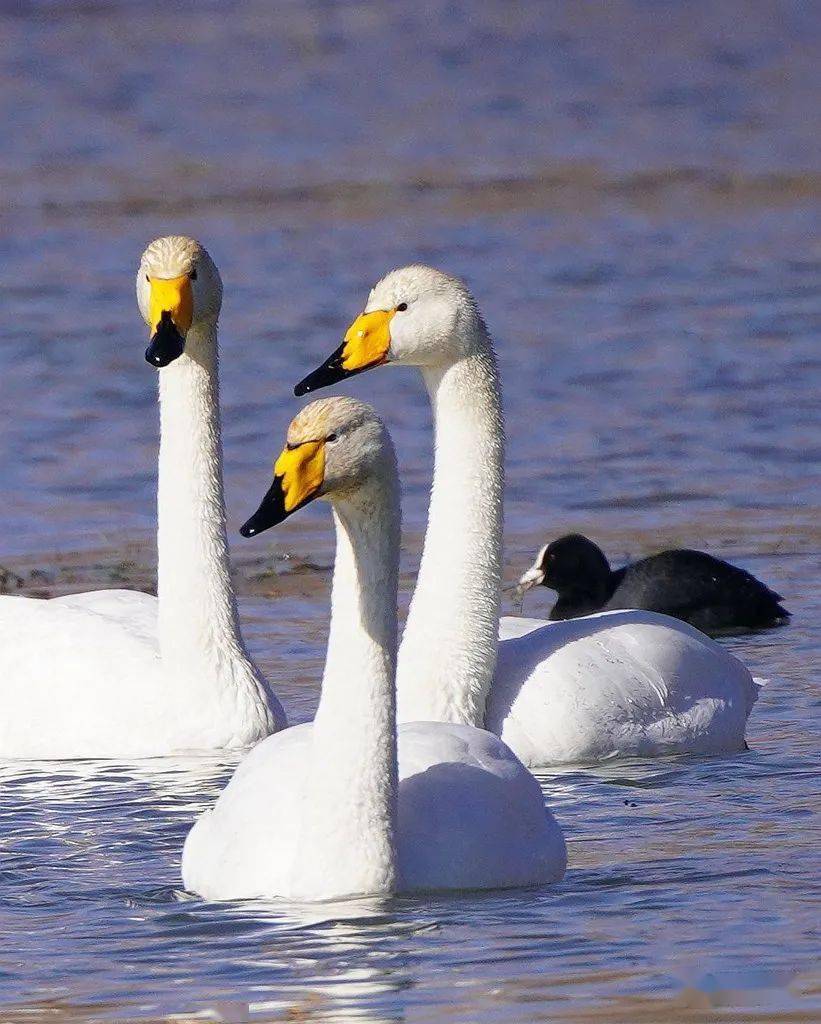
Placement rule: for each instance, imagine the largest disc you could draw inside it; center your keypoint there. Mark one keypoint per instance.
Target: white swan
(619, 683)
(313, 812)
(117, 673)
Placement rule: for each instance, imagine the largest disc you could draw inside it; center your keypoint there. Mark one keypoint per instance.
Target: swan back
(622, 683)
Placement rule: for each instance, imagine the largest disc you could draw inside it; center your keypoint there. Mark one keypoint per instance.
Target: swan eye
(148, 278)
(330, 438)
(401, 307)
(193, 275)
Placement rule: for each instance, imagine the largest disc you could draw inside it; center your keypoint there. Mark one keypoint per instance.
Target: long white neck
(347, 843)
(448, 653)
(199, 630)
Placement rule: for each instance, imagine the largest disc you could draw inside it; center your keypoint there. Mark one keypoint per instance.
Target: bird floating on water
(710, 594)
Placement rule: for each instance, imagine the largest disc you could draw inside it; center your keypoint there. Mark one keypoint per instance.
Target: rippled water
(632, 191)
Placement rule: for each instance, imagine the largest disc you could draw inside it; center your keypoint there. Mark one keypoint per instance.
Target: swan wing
(628, 683)
(246, 845)
(69, 677)
(469, 816)
(134, 610)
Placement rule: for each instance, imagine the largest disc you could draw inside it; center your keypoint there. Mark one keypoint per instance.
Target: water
(632, 192)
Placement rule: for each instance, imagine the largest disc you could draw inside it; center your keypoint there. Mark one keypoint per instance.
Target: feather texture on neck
(348, 834)
(199, 631)
(448, 653)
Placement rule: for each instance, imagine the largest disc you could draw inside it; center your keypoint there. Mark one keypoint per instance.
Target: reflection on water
(632, 193)
(687, 890)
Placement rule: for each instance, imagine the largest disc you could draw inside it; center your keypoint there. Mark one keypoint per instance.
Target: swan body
(120, 673)
(330, 809)
(469, 816)
(616, 684)
(626, 684)
(88, 681)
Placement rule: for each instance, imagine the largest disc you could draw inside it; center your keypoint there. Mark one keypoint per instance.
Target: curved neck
(347, 842)
(448, 653)
(198, 621)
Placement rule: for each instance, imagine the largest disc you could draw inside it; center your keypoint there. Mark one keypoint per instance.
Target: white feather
(625, 683)
(123, 674)
(319, 811)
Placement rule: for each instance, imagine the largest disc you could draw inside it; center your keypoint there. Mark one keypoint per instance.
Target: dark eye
(148, 278)
(193, 275)
(330, 437)
(401, 307)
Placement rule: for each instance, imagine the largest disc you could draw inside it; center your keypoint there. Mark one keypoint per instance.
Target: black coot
(712, 595)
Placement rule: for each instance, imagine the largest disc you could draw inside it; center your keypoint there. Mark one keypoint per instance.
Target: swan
(613, 684)
(321, 811)
(118, 673)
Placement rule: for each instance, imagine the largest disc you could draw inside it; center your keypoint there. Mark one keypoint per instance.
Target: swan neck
(348, 844)
(198, 620)
(448, 653)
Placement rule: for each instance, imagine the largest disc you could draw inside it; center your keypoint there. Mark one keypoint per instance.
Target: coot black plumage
(712, 595)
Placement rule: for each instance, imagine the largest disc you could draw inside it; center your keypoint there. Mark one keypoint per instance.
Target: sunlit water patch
(686, 877)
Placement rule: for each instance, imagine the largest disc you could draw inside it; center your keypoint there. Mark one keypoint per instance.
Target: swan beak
(367, 342)
(270, 512)
(171, 309)
(299, 473)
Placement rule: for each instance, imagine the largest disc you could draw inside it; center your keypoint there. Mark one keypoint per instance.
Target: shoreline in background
(303, 566)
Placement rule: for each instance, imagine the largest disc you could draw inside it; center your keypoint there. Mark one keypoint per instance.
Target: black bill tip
(330, 372)
(270, 513)
(166, 345)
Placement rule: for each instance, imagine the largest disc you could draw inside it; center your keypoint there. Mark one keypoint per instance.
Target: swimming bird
(615, 683)
(118, 673)
(710, 594)
(321, 811)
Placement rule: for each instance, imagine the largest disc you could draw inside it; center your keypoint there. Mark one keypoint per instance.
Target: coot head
(571, 563)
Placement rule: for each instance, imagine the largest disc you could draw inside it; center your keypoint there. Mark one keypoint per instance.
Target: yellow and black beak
(171, 308)
(367, 342)
(299, 473)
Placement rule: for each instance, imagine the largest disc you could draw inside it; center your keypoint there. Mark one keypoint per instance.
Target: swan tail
(757, 684)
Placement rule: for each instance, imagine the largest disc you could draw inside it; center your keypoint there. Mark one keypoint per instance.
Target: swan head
(335, 447)
(178, 286)
(571, 563)
(416, 316)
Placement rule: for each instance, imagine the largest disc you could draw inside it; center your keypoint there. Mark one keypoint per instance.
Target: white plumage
(618, 684)
(470, 816)
(83, 677)
(319, 811)
(621, 683)
(123, 674)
